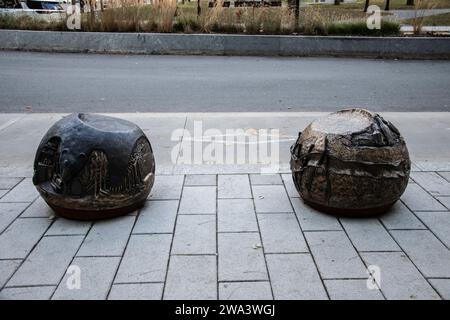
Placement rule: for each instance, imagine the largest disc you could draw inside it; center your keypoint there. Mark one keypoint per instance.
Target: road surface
(45, 82)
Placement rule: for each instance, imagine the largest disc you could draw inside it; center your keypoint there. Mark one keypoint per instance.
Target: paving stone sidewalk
(229, 237)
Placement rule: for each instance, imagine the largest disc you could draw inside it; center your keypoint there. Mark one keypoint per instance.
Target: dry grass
(166, 16)
(418, 21)
(213, 19)
(163, 14)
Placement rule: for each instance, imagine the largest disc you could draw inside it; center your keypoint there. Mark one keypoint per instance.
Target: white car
(48, 9)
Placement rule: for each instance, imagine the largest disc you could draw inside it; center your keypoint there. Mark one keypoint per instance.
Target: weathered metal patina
(91, 167)
(351, 162)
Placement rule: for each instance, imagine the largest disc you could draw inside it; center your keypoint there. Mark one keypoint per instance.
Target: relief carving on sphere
(93, 178)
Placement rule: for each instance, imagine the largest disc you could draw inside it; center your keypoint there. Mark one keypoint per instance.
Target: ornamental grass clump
(419, 18)
(165, 16)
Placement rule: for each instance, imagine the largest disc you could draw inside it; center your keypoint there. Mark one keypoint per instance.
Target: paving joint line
(26, 256)
(359, 255)
(260, 237)
(71, 261)
(306, 242)
(173, 236)
(123, 253)
(409, 258)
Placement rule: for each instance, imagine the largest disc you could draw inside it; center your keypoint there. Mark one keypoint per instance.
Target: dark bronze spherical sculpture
(351, 162)
(90, 166)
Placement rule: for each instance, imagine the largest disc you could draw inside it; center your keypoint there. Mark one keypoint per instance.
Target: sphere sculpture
(91, 167)
(351, 162)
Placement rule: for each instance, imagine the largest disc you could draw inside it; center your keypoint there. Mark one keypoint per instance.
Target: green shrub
(29, 23)
(359, 28)
(186, 24)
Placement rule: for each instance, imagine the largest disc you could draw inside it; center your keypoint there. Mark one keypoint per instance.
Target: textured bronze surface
(92, 167)
(351, 162)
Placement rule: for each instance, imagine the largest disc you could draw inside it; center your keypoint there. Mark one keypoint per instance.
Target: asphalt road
(44, 82)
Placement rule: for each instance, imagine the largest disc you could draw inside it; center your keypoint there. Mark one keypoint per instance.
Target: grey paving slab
(399, 279)
(313, 220)
(241, 257)
(290, 187)
(253, 290)
(200, 180)
(265, 179)
(432, 182)
(195, 234)
(400, 217)
(431, 165)
(236, 215)
(3, 192)
(38, 209)
(439, 223)
(8, 182)
(48, 262)
(20, 141)
(191, 278)
(157, 217)
(351, 289)
(136, 291)
(414, 167)
(442, 286)
(25, 191)
(445, 175)
(63, 227)
(21, 236)
(7, 268)
(7, 120)
(9, 212)
(369, 235)
(145, 259)
(107, 237)
(167, 187)
(233, 186)
(271, 199)
(281, 233)
(294, 276)
(335, 256)
(426, 251)
(27, 293)
(445, 201)
(198, 200)
(417, 199)
(96, 277)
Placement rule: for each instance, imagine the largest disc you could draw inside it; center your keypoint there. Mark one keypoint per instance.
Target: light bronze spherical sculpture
(90, 166)
(351, 162)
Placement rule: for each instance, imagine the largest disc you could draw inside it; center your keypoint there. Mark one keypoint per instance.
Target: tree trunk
(387, 5)
(199, 9)
(297, 12)
(366, 5)
(294, 5)
(409, 2)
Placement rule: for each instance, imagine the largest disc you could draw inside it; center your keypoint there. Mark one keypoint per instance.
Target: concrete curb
(223, 44)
